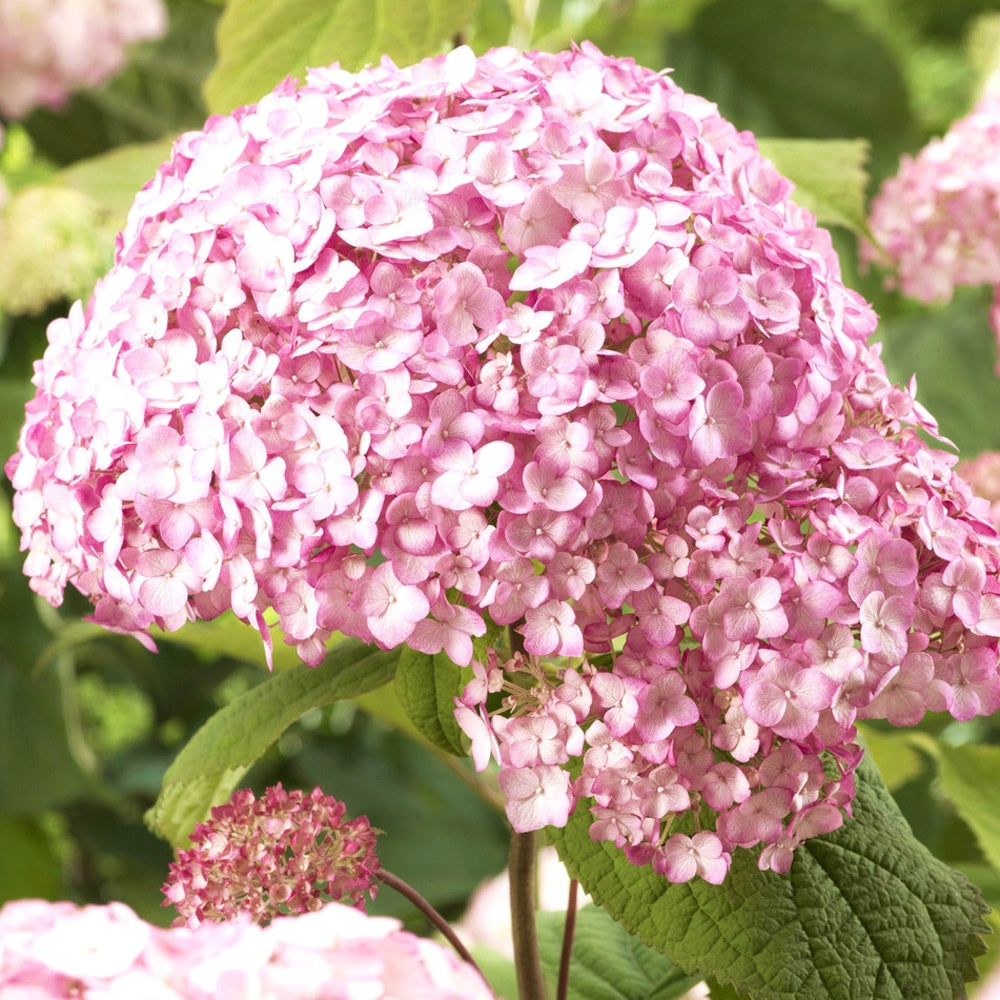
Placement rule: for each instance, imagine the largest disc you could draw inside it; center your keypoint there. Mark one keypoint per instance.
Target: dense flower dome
(63, 950)
(49, 48)
(531, 341)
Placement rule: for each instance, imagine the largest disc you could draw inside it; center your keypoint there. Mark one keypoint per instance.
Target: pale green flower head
(54, 244)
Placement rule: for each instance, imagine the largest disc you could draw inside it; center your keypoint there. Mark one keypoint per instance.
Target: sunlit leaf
(968, 776)
(261, 42)
(789, 68)
(112, 179)
(829, 175)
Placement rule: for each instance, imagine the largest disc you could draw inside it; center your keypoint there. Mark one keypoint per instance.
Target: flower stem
(408, 892)
(562, 990)
(523, 888)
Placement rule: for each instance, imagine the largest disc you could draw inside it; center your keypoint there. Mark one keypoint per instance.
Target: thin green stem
(523, 902)
(562, 989)
(424, 906)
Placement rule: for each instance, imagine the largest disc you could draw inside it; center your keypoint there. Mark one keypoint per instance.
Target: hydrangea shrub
(538, 342)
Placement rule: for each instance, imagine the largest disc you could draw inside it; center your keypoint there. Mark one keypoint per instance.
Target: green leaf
(44, 762)
(228, 635)
(427, 686)
(29, 868)
(14, 395)
(829, 176)
(208, 769)
(895, 753)
(968, 775)
(794, 68)
(866, 911)
(608, 963)
(112, 179)
(40, 753)
(953, 353)
(261, 42)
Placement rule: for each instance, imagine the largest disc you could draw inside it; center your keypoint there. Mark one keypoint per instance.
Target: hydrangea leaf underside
(427, 686)
(220, 753)
(608, 962)
(260, 43)
(829, 177)
(866, 911)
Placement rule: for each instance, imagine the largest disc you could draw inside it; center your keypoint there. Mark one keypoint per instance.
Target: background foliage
(90, 723)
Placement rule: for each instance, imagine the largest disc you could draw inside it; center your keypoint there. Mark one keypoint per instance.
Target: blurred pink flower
(60, 950)
(49, 48)
(936, 222)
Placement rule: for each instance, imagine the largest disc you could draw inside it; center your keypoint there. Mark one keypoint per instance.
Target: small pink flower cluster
(61, 950)
(285, 852)
(49, 48)
(534, 341)
(982, 473)
(937, 220)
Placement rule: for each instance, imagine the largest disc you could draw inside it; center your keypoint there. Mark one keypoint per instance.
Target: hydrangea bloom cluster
(541, 342)
(60, 950)
(937, 221)
(49, 48)
(285, 852)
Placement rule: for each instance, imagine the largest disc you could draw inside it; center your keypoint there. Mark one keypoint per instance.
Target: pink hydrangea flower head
(64, 950)
(285, 852)
(537, 341)
(49, 48)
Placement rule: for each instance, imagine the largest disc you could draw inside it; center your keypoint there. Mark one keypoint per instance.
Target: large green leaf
(208, 769)
(261, 42)
(795, 68)
(866, 911)
(607, 962)
(954, 355)
(427, 686)
(112, 179)
(968, 775)
(13, 397)
(829, 175)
